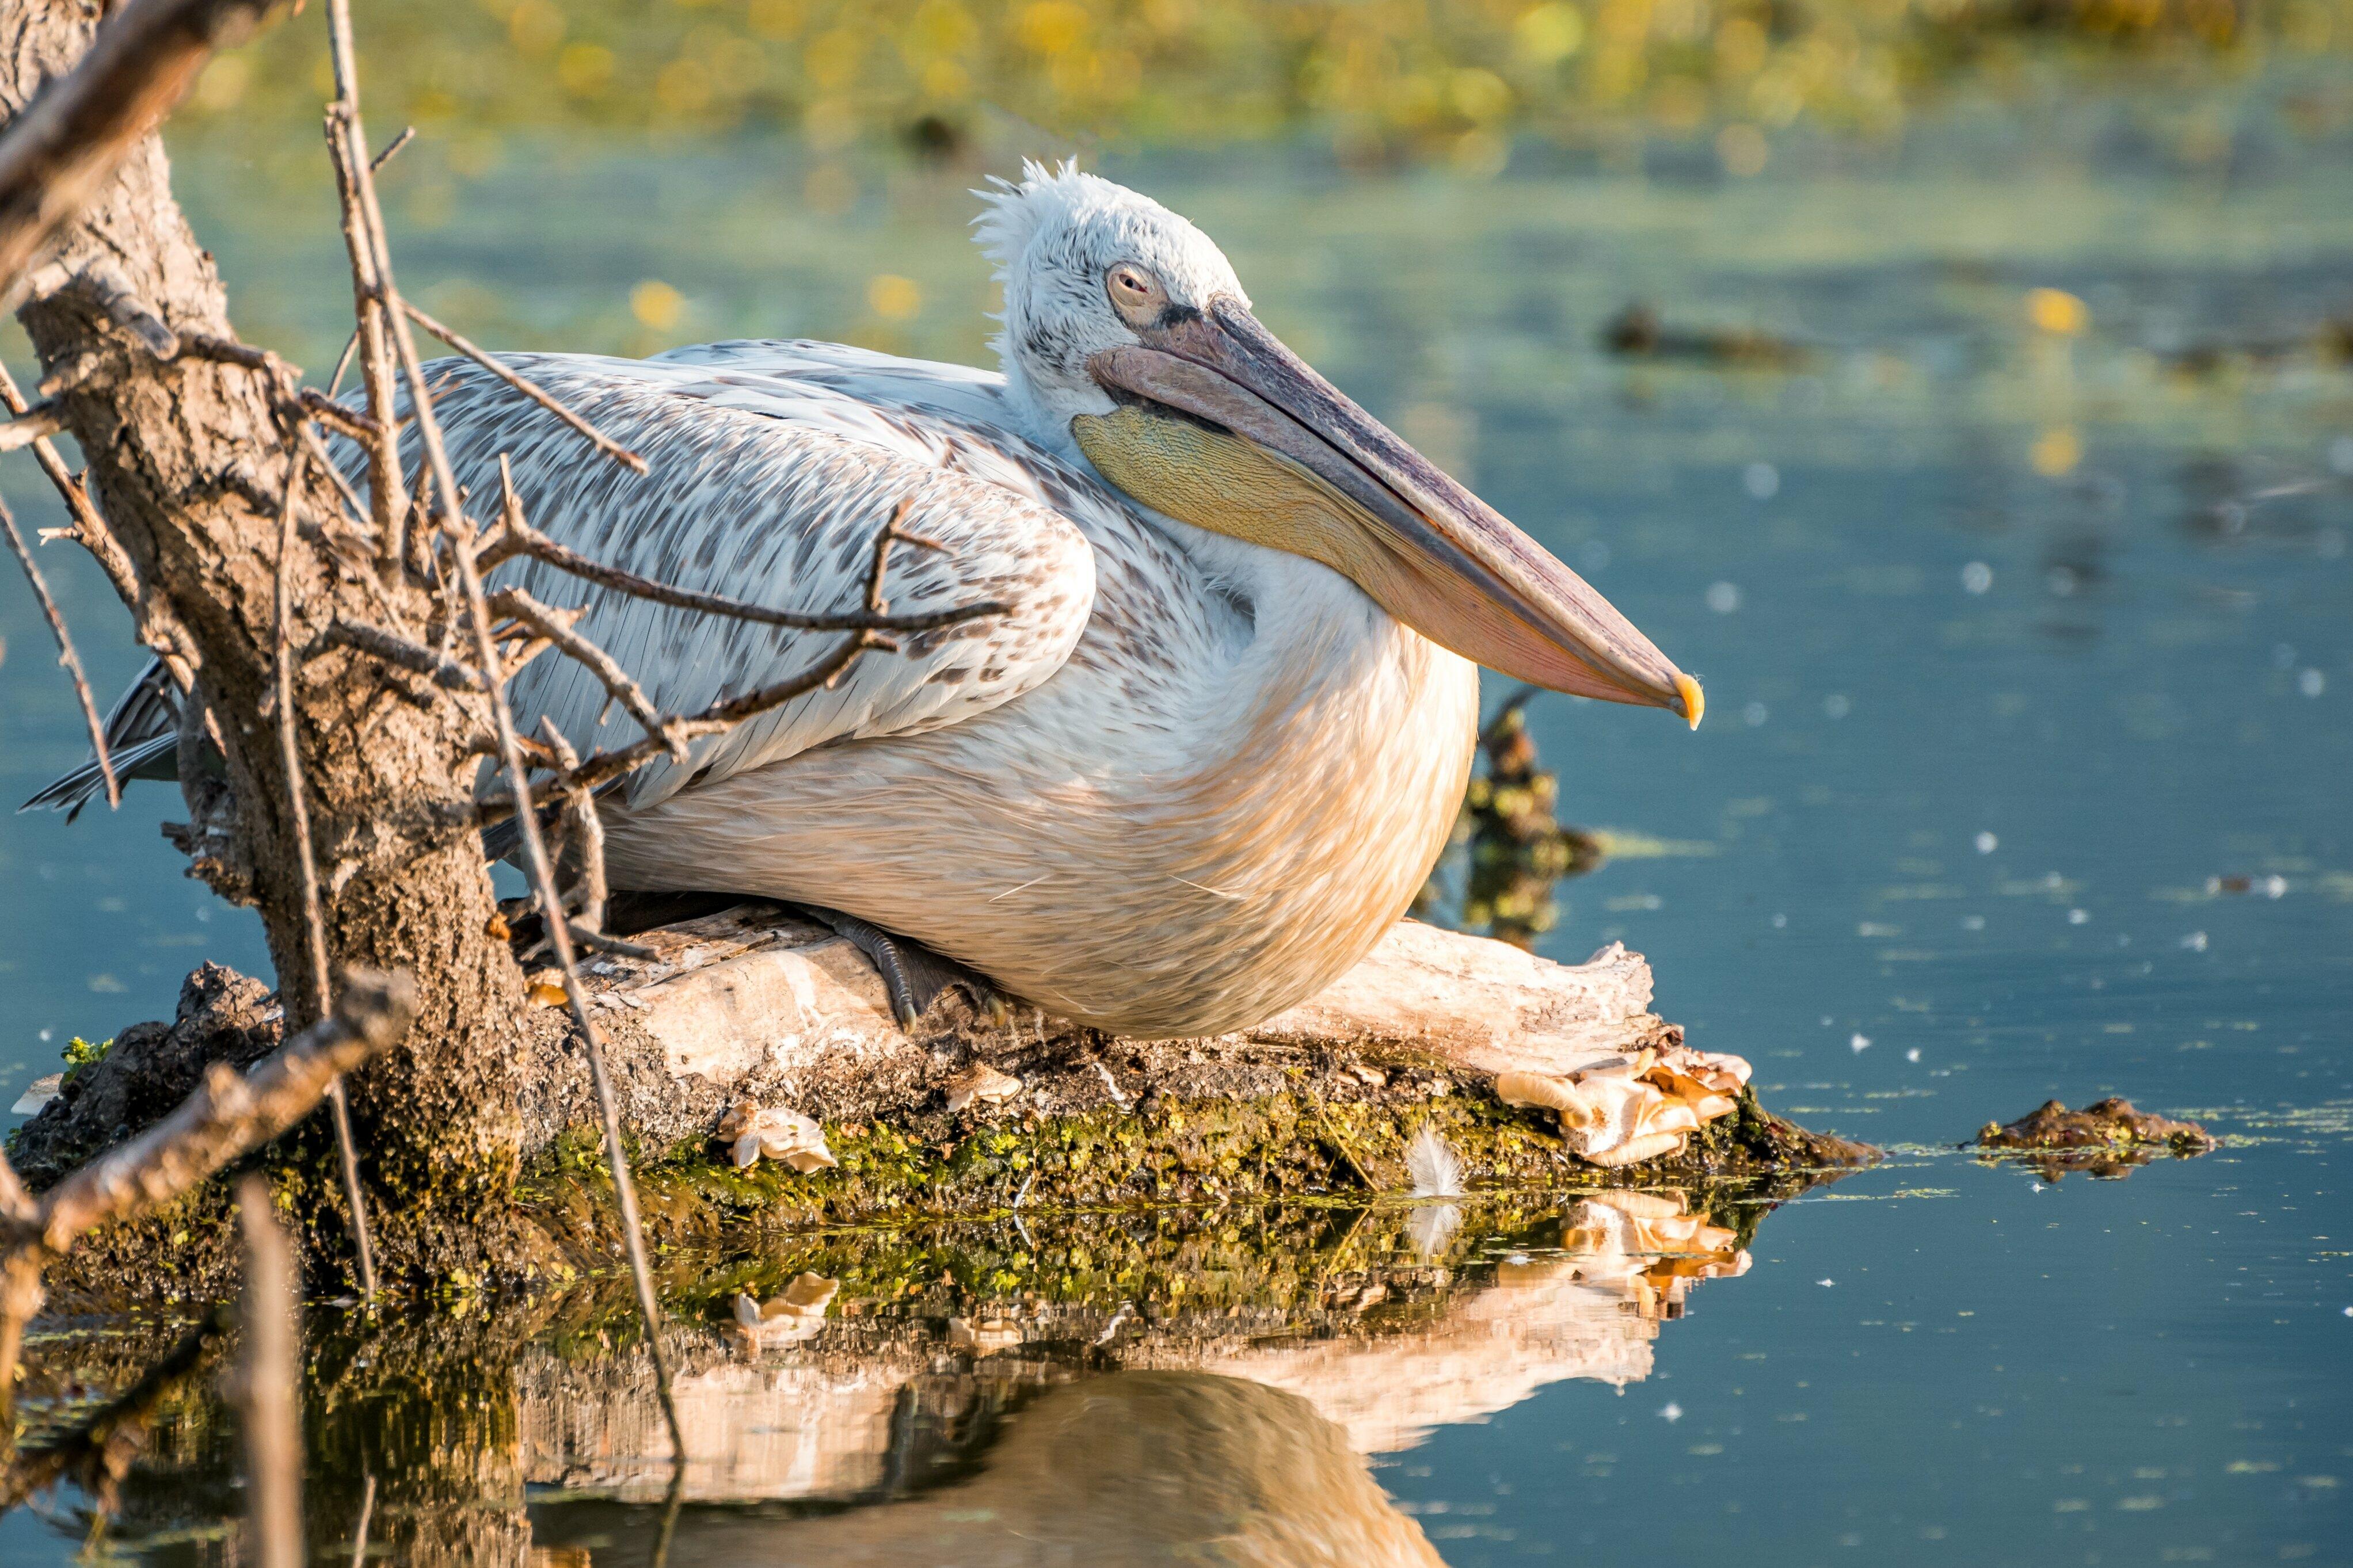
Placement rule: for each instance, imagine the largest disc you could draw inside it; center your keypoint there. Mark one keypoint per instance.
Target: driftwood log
(753, 995)
(756, 1006)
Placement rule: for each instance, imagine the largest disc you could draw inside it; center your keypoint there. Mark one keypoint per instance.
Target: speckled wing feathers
(772, 488)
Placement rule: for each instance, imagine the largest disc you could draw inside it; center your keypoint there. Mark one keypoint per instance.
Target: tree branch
(517, 537)
(60, 150)
(597, 438)
(229, 1113)
(66, 656)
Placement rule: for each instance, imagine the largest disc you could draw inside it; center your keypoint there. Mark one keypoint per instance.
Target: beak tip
(1695, 700)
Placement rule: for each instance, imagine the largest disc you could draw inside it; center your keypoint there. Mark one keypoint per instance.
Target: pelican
(1213, 743)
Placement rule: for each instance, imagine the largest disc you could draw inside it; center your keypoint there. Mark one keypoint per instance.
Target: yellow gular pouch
(1215, 479)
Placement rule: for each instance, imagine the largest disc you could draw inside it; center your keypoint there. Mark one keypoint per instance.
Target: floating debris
(1638, 332)
(984, 1336)
(789, 1318)
(751, 1130)
(2107, 1139)
(981, 1084)
(38, 1093)
(1630, 1108)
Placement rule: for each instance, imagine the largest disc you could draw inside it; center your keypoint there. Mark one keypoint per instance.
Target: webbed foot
(912, 974)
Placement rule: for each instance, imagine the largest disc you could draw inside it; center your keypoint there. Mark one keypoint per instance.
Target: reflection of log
(834, 1413)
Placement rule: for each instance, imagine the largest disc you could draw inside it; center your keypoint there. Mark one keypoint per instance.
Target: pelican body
(1217, 737)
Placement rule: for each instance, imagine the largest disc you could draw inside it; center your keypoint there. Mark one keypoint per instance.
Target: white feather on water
(1432, 1165)
(1435, 1171)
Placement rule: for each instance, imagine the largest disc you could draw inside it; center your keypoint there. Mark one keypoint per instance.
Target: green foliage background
(1384, 80)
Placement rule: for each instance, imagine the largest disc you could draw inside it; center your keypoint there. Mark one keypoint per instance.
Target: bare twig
(595, 437)
(393, 648)
(376, 166)
(517, 537)
(360, 427)
(556, 627)
(229, 1113)
(66, 656)
(38, 423)
(718, 718)
(267, 1383)
(299, 816)
(347, 146)
(20, 1298)
(542, 879)
(227, 351)
(70, 140)
(363, 215)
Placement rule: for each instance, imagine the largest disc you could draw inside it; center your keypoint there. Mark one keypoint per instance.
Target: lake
(2026, 620)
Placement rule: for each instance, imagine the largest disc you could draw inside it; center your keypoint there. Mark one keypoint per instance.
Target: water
(2025, 653)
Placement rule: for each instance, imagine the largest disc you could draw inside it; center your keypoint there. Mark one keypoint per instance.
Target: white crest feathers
(1011, 214)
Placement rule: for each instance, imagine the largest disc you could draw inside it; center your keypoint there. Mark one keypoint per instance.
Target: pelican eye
(1135, 293)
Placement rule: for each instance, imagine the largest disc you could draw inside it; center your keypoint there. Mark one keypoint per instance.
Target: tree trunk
(189, 466)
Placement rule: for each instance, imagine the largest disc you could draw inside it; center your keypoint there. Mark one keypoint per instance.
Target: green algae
(1293, 1147)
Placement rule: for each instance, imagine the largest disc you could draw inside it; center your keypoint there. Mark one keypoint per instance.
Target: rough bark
(186, 460)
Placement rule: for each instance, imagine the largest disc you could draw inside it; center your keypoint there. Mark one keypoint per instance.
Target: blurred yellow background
(1384, 82)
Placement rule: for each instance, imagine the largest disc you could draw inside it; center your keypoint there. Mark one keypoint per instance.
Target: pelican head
(1125, 326)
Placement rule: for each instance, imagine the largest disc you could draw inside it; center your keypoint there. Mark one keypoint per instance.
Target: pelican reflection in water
(1213, 745)
(1213, 1440)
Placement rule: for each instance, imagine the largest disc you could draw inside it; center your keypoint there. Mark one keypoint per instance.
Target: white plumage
(1190, 774)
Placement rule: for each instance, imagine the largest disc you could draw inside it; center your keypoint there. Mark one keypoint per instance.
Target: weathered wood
(751, 994)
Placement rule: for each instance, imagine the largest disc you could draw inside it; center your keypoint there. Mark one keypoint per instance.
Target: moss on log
(1315, 1106)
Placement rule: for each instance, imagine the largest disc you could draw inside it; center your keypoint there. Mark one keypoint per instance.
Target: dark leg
(912, 974)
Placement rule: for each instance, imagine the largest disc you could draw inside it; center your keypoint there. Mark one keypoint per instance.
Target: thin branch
(517, 537)
(392, 149)
(369, 215)
(267, 1382)
(718, 718)
(393, 648)
(556, 627)
(227, 350)
(66, 656)
(159, 629)
(343, 363)
(543, 881)
(20, 1298)
(597, 438)
(228, 1113)
(347, 149)
(61, 151)
(298, 816)
(38, 423)
(360, 427)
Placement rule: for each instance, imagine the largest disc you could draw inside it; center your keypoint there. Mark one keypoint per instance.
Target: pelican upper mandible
(1218, 739)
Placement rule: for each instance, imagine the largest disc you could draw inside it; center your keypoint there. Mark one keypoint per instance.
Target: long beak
(1441, 560)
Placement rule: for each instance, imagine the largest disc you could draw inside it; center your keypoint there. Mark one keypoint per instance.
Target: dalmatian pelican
(1217, 740)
